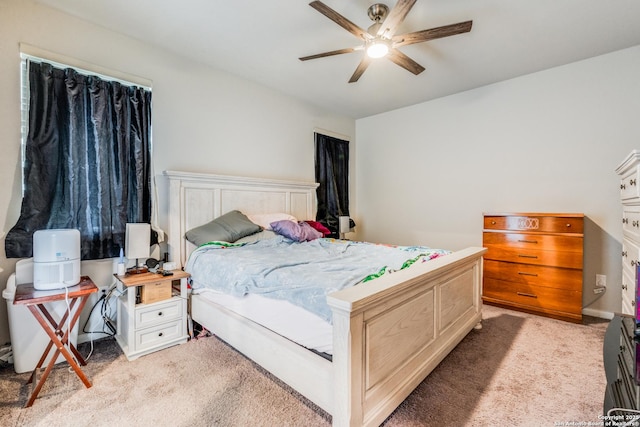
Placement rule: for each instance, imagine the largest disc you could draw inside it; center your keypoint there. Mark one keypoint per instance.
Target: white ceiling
(261, 40)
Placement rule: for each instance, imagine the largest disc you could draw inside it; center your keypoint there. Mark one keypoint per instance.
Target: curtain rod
(37, 54)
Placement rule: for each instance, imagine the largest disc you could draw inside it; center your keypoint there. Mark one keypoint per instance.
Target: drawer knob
(524, 294)
(523, 273)
(160, 334)
(622, 186)
(632, 182)
(493, 223)
(159, 313)
(568, 225)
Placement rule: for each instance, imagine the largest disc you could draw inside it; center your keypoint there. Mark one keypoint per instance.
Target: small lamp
(138, 237)
(344, 225)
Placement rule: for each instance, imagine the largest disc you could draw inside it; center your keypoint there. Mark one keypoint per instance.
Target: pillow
(296, 231)
(264, 220)
(319, 227)
(261, 235)
(226, 228)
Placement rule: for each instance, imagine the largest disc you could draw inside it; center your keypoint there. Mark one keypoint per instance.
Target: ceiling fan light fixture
(378, 48)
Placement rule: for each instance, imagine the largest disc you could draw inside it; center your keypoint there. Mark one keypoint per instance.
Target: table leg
(53, 329)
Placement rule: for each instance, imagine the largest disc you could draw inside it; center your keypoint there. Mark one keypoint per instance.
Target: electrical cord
(105, 313)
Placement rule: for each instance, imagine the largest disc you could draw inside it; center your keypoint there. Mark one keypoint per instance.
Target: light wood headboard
(197, 198)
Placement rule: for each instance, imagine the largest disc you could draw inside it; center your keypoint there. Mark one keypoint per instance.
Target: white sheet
(280, 316)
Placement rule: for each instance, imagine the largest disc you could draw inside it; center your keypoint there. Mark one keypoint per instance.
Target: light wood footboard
(389, 334)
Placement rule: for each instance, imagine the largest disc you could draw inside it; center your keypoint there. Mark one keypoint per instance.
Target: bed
(387, 336)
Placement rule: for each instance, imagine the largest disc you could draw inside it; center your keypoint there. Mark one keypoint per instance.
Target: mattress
(280, 316)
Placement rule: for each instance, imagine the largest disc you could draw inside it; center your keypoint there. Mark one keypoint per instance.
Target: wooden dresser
(534, 263)
(629, 171)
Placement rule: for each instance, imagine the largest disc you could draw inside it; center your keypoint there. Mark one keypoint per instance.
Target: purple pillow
(297, 231)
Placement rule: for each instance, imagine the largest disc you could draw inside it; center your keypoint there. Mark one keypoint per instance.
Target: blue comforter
(302, 273)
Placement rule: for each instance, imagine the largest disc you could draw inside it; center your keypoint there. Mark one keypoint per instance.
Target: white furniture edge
(388, 334)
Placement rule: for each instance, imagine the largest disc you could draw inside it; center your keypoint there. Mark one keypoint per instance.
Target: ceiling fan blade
(362, 66)
(331, 53)
(395, 18)
(340, 20)
(404, 61)
(432, 33)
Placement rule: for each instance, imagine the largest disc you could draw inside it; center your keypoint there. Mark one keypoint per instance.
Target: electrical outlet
(601, 281)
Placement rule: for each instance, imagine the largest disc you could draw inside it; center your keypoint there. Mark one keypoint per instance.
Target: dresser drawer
(533, 297)
(630, 257)
(628, 292)
(158, 313)
(533, 223)
(534, 256)
(631, 222)
(159, 334)
(534, 241)
(629, 188)
(534, 275)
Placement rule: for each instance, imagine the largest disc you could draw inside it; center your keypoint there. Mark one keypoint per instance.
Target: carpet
(518, 370)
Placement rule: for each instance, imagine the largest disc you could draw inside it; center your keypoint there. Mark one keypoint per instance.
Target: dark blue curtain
(332, 174)
(87, 161)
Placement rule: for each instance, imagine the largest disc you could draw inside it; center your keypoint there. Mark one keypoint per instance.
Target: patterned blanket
(302, 273)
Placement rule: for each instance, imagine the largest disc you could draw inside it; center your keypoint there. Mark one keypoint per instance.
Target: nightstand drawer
(158, 313)
(158, 335)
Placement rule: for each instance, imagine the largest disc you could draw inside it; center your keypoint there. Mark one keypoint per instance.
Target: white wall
(203, 119)
(545, 142)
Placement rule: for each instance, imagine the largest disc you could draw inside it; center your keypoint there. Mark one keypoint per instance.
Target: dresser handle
(633, 303)
(622, 186)
(528, 256)
(633, 263)
(624, 254)
(624, 287)
(632, 182)
(625, 221)
(523, 294)
(535, 242)
(634, 223)
(522, 273)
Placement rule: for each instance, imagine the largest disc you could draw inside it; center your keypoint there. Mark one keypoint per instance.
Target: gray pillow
(226, 228)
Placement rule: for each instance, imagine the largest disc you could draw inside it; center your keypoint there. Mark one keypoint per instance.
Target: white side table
(143, 328)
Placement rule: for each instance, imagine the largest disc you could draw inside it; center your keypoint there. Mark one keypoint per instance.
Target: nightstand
(143, 326)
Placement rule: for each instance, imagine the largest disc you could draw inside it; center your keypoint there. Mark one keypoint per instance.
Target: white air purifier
(56, 259)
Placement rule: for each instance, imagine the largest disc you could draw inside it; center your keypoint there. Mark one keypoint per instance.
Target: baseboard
(597, 313)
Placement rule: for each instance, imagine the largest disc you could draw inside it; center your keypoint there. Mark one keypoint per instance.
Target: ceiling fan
(380, 39)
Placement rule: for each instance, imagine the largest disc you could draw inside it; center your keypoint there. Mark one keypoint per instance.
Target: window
(332, 174)
(86, 158)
